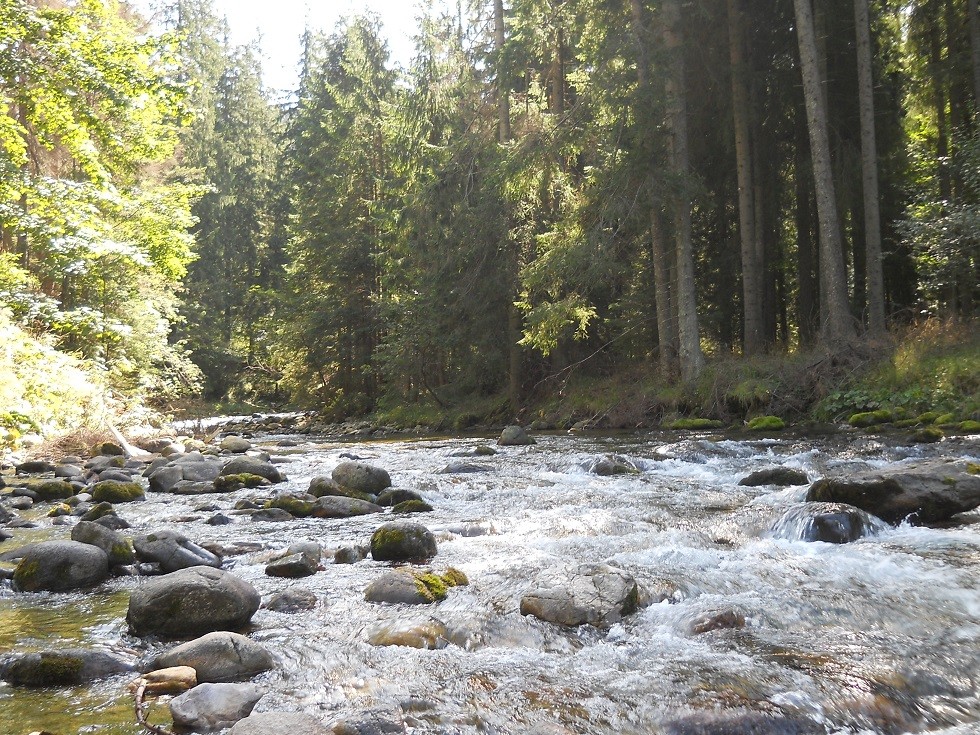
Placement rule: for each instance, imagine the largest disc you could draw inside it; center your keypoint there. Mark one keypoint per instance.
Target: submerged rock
(173, 551)
(292, 600)
(219, 657)
(378, 721)
(922, 493)
(394, 496)
(425, 634)
(60, 668)
(191, 602)
(778, 476)
(610, 465)
(741, 723)
(834, 523)
(253, 466)
(335, 506)
(60, 566)
(410, 587)
(593, 594)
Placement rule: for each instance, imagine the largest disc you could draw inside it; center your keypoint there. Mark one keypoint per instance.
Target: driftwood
(141, 712)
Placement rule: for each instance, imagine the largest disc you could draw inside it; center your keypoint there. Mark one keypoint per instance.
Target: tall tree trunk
(752, 341)
(666, 321)
(838, 326)
(974, 22)
(869, 172)
(514, 356)
(939, 104)
(691, 357)
(808, 307)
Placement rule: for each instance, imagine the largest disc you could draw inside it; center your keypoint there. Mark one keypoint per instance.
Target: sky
(279, 24)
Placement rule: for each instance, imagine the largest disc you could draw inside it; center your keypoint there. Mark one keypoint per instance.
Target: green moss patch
(112, 491)
(766, 423)
(412, 506)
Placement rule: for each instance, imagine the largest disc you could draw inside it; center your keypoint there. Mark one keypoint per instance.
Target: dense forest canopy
(598, 184)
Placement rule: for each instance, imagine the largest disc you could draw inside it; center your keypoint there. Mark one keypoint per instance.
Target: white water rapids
(877, 636)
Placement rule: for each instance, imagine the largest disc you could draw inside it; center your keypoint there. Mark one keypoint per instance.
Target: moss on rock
(230, 483)
(766, 423)
(412, 506)
(928, 435)
(113, 491)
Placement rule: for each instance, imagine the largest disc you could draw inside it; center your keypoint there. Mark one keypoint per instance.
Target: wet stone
(292, 600)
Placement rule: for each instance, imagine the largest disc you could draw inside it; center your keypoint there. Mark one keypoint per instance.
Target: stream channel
(881, 635)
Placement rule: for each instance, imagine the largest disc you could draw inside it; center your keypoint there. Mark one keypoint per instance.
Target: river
(877, 636)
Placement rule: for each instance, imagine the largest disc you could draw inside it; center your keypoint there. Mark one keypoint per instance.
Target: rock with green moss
(766, 423)
(299, 506)
(60, 668)
(190, 603)
(60, 566)
(906, 423)
(925, 492)
(610, 465)
(59, 510)
(97, 511)
(113, 491)
(591, 594)
(337, 506)
(253, 466)
(928, 435)
(231, 483)
(425, 634)
(323, 486)
(695, 424)
(48, 490)
(118, 549)
(946, 419)
(863, 420)
(108, 449)
(413, 587)
(929, 417)
(393, 496)
(412, 506)
(969, 427)
(403, 541)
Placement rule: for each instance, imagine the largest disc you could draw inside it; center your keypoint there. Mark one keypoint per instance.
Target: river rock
(253, 466)
(113, 491)
(350, 554)
(361, 476)
(724, 620)
(209, 707)
(335, 506)
(218, 657)
(59, 566)
(377, 721)
(402, 541)
(514, 436)
(394, 496)
(49, 490)
(397, 587)
(741, 723)
(611, 465)
(293, 566)
(173, 680)
(115, 546)
(235, 445)
(834, 523)
(424, 634)
(463, 468)
(778, 476)
(60, 668)
(923, 493)
(292, 600)
(279, 723)
(173, 551)
(68, 471)
(273, 515)
(34, 467)
(191, 602)
(593, 594)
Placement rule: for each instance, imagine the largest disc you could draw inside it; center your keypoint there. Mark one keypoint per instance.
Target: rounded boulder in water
(362, 477)
(833, 523)
(403, 541)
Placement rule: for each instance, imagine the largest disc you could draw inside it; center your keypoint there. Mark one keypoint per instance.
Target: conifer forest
(597, 187)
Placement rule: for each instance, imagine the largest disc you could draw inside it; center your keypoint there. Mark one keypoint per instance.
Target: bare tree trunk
(939, 104)
(691, 357)
(666, 322)
(869, 172)
(514, 356)
(838, 326)
(974, 13)
(752, 340)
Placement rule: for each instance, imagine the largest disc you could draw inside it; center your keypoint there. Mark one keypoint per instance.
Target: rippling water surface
(877, 636)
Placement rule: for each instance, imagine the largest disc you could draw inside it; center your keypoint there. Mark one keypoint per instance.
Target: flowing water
(878, 636)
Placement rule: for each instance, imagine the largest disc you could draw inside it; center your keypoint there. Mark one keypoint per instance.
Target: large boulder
(173, 551)
(593, 594)
(922, 493)
(411, 587)
(60, 668)
(235, 444)
(209, 707)
(191, 602)
(361, 477)
(219, 656)
(252, 466)
(115, 546)
(59, 566)
(278, 723)
(114, 491)
(834, 523)
(514, 436)
(402, 541)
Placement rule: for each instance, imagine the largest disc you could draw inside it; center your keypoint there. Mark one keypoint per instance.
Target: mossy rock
(766, 423)
(230, 483)
(108, 449)
(946, 419)
(98, 511)
(928, 417)
(402, 541)
(906, 423)
(695, 424)
(61, 509)
(298, 507)
(431, 586)
(928, 435)
(969, 427)
(113, 491)
(453, 577)
(973, 468)
(863, 420)
(51, 489)
(412, 506)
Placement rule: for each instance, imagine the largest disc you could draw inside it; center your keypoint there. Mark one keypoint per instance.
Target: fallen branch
(141, 708)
